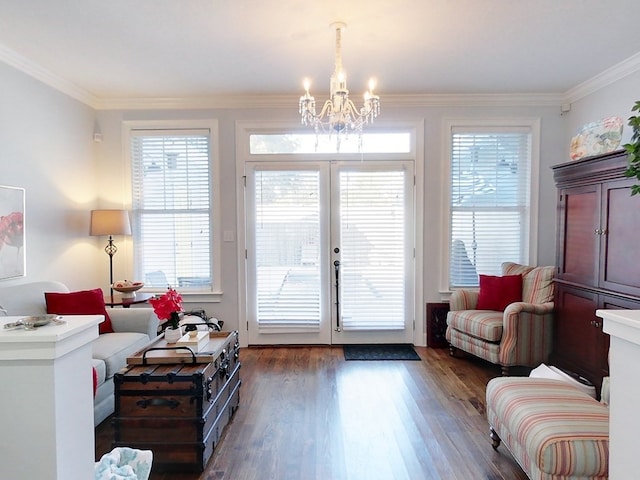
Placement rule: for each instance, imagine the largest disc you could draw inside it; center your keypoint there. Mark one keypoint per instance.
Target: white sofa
(133, 328)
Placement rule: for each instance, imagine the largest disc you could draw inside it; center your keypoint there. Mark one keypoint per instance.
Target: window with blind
(172, 208)
(287, 248)
(373, 239)
(490, 197)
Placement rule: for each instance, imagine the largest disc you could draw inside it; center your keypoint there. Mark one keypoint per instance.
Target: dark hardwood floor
(307, 414)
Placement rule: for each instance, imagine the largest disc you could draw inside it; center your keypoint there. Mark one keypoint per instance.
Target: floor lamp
(110, 222)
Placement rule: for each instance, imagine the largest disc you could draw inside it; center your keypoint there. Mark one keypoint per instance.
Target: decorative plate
(35, 321)
(596, 138)
(125, 286)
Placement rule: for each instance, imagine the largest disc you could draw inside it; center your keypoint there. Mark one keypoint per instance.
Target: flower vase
(172, 335)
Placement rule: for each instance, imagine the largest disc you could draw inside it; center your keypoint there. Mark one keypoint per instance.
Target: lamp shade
(110, 222)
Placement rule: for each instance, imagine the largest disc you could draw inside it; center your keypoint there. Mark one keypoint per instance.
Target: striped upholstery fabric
(528, 334)
(483, 324)
(553, 430)
(463, 300)
(521, 335)
(537, 282)
(473, 345)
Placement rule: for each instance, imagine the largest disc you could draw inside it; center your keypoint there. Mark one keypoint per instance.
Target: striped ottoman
(552, 429)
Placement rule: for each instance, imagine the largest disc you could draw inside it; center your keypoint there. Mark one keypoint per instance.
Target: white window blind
(373, 249)
(171, 186)
(287, 236)
(490, 201)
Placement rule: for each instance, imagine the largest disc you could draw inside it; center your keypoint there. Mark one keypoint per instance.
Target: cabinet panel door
(578, 338)
(619, 269)
(579, 220)
(613, 303)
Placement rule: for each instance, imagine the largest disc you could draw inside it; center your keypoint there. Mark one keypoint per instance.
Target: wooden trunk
(178, 410)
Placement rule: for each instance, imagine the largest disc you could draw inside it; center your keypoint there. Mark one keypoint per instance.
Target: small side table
(116, 300)
(437, 324)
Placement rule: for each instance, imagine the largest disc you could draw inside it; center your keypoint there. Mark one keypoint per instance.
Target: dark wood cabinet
(580, 344)
(437, 324)
(598, 263)
(620, 256)
(579, 209)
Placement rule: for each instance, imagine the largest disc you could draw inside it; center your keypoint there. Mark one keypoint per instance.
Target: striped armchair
(521, 335)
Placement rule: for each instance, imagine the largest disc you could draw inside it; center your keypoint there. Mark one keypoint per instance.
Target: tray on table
(158, 351)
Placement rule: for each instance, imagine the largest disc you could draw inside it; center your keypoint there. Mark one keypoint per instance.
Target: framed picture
(12, 244)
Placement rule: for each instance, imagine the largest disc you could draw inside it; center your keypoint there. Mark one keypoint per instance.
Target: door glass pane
(373, 257)
(287, 235)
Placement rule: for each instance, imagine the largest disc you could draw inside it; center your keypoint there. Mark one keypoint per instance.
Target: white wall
(46, 147)
(616, 99)
(112, 168)
(114, 191)
(551, 144)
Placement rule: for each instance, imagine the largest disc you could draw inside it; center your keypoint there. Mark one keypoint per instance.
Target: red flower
(166, 305)
(12, 230)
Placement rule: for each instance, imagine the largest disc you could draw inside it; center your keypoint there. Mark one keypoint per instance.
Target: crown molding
(603, 79)
(291, 101)
(472, 100)
(47, 77)
(195, 103)
(23, 64)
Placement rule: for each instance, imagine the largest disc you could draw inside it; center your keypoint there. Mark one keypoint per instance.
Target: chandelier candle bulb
(342, 83)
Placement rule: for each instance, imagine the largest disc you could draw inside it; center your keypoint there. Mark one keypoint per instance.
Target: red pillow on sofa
(84, 302)
(496, 293)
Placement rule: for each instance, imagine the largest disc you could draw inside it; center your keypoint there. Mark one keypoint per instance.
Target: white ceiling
(200, 48)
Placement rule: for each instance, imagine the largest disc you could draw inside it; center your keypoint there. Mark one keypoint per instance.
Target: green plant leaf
(633, 149)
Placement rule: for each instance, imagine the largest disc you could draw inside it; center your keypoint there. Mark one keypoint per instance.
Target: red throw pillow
(496, 293)
(84, 302)
(95, 381)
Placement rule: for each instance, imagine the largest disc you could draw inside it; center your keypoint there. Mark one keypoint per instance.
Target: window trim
(244, 128)
(128, 126)
(449, 124)
(325, 143)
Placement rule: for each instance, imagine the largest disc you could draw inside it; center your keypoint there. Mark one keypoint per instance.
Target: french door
(329, 252)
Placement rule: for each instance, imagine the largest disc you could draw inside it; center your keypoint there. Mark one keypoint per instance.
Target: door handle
(336, 266)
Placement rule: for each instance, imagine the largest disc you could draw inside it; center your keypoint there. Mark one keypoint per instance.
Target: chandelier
(339, 115)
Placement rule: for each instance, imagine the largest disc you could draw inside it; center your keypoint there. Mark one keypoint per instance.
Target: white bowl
(135, 286)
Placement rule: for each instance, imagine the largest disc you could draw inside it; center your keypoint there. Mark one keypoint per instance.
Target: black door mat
(380, 352)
